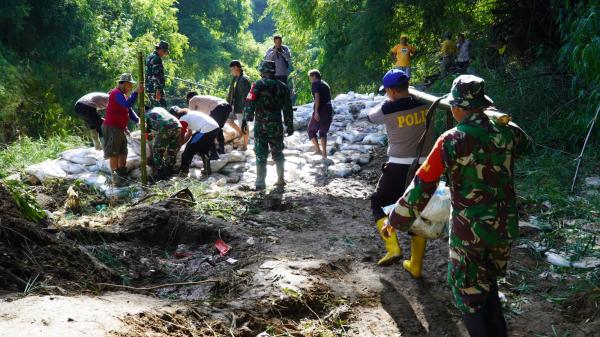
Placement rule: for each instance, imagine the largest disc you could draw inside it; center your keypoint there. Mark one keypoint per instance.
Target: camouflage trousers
(263, 144)
(471, 271)
(157, 103)
(165, 147)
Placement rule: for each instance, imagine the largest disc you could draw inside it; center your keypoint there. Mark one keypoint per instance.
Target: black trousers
(90, 116)
(390, 188)
(220, 114)
(198, 147)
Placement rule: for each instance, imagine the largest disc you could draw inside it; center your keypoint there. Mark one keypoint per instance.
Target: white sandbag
(87, 156)
(133, 161)
(356, 147)
(104, 166)
(136, 174)
(364, 113)
(45, 170)
(235, 157)
(342, 97)
(353, 136)
(229, 133)
(363, 159)
(134, 140)
(217, 165)
(438, 208)
(375, 139)
(70, 168)
(341, 170)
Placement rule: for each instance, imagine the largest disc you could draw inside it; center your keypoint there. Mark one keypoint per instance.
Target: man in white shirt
(220, 110)
(87, 108)
(464, 52)
(202, 129)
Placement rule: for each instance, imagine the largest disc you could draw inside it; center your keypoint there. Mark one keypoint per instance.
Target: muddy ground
(302, 263)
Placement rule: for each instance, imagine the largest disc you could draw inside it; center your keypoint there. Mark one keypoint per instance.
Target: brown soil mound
(32, 259)
(169, 222)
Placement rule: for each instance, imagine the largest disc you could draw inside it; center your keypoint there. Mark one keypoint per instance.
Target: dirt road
(302, 263)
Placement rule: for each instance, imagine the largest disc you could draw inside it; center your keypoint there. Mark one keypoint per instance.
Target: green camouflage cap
(126, 77)
(468, 92)
(267, 67)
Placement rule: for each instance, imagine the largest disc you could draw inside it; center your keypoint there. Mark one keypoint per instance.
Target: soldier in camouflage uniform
(477, 157)
(155, 75)
(166, 139)
(265, 101)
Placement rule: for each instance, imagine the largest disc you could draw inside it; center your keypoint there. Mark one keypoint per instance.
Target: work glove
(244, 126)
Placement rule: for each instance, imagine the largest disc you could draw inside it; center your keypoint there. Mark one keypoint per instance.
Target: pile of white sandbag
(351, 141)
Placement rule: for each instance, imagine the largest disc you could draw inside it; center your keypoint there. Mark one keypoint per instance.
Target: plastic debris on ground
(222, 247)
(561, 259)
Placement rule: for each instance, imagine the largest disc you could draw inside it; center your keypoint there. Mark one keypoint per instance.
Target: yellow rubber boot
(417, 250)
(391, 246)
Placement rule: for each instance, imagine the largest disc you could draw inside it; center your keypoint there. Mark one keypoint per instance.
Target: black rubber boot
(184, 170)
(476, 324)
(206, 163)
(494, 316)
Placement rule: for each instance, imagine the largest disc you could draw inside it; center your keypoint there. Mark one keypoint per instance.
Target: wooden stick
(110, 285)
(142, 109)
(593, 122)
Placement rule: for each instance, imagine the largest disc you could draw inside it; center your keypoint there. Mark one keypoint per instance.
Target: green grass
(28, 151)
(222, 205)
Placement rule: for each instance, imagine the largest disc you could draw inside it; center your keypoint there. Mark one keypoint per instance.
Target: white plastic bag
(433, 221)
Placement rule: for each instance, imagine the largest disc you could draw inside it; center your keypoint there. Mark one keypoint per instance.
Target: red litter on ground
(222, 247)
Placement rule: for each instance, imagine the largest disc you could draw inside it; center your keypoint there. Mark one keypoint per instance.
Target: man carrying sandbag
(404, 119)
(478, 158)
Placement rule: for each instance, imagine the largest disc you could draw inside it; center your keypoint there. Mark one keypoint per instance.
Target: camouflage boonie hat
(267, 67)
(164, 45)
(126, 78)
(468, 92)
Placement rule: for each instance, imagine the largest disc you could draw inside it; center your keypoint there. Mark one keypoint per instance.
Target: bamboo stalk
(142, 110)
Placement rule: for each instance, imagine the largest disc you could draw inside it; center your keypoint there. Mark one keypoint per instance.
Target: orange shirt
(403, 54)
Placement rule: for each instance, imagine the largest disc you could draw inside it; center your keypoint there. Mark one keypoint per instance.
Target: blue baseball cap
(393, 78)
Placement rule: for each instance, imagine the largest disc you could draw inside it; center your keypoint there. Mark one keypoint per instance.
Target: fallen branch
(179, 284)
(592, 123)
